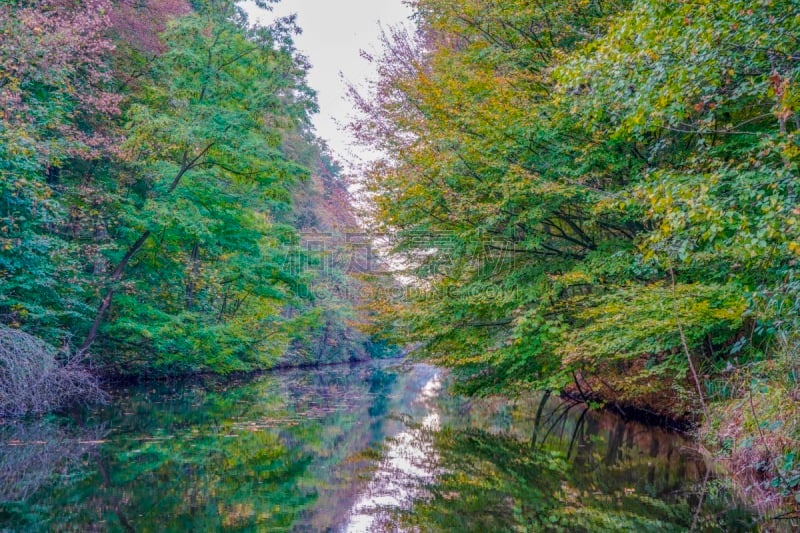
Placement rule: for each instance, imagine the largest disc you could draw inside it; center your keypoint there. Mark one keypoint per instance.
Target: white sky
(334, 33)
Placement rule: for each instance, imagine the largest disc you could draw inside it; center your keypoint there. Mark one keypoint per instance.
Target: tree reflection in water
(377, 445)
(36, 453)
(546, 464)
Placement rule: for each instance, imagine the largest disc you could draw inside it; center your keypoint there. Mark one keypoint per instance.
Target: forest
(597, 198)
(607, 194)
(150, 160)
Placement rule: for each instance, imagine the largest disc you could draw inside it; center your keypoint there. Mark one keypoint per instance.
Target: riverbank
(124, 380)
(747, 425)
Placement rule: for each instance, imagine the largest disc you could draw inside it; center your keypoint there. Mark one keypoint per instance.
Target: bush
(35, 378)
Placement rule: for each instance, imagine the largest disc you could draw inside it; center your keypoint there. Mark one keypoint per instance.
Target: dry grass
(36, 379)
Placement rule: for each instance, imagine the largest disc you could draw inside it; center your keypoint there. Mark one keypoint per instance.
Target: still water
(370, 447)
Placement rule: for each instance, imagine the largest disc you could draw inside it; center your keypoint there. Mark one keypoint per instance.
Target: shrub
(35, 378)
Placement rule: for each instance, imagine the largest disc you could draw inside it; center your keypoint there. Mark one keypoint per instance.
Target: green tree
(201, 269)
(58, 105)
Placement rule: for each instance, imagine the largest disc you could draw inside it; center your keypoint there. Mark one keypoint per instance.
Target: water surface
(368, 447)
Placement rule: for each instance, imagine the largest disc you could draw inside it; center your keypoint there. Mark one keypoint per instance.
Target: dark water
(371, 447)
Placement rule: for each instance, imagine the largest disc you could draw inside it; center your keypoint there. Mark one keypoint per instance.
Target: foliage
(204, 175)
(590, 195)
(150, 154)
(322, 212)
(493, 199)
(523, 181)
(59, 104)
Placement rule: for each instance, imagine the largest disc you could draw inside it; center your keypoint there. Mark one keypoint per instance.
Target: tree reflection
(203, 456)
(562, 467)
(40, 452)
(297, 451)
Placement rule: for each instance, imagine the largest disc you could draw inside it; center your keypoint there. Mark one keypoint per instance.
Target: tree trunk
(190, 283)
(105, 304)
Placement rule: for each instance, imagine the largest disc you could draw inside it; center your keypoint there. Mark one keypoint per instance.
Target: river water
(381, 446)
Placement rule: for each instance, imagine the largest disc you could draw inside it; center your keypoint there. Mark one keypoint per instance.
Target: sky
(334, 33)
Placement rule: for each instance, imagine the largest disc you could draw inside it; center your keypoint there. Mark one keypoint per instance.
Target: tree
(536, 173)
(58, 107)
(202, 275)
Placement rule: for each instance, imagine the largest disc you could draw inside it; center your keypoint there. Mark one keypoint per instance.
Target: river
(381, 446)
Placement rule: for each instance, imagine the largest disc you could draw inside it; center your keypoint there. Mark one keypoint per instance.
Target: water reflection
(34, 454)
(408, 462)
(544, 464)
(373, 446)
